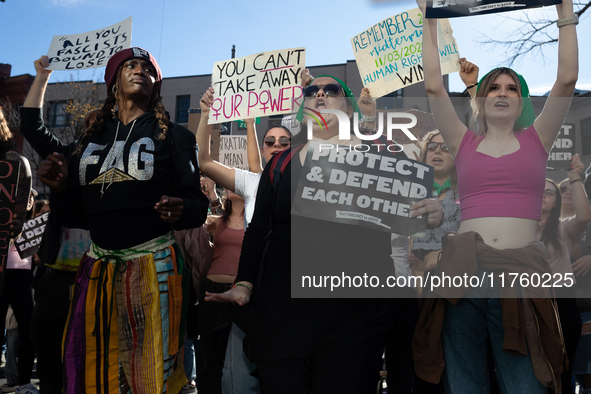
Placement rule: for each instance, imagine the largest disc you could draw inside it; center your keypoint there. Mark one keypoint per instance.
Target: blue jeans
(236, 377)
(189, 360)
(12, 345)
(468, 328)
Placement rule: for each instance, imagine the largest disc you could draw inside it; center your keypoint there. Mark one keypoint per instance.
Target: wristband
(472, 86)
(369, 119)
(572, 20)
(576, 180)
(247, 287)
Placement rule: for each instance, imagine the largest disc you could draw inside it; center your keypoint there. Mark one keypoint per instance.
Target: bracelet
(472, 86)
(247, 287)
(576, 180)
(369, 119)
(571, 20)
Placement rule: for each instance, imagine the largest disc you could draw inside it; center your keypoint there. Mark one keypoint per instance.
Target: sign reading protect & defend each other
(370, 189)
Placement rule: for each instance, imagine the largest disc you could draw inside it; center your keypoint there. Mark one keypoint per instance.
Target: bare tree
(531, 37)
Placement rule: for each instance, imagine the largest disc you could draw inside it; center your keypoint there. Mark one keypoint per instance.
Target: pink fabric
(15, 262)
(227, 244)
(507, 186)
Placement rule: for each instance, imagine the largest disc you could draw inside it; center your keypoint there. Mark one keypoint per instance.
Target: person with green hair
(501, 168)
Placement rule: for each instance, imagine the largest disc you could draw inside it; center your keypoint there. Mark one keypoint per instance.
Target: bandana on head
(346, 91)
(122, 56)
(528, 115)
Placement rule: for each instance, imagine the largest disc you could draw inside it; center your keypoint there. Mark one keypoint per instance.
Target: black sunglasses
(330, 90)
(565, 188)
(432, 146)
(283, 141)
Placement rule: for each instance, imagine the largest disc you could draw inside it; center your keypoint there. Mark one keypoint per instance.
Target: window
(182, 109)
(391, 100)
(586, 136)
(57, 115)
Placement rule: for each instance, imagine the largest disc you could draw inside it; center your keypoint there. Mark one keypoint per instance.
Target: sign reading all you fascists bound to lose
(389, 54)
(456, 8)
(264, 84)
(370, 189)
(89, 50)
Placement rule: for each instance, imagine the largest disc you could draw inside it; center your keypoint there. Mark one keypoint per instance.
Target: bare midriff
(503, 232)
(220, 278)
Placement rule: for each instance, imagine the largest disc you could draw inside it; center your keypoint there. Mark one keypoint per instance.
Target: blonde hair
(484, 87)
(423, 145)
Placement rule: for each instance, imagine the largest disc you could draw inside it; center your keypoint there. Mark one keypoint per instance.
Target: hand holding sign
(41, 65)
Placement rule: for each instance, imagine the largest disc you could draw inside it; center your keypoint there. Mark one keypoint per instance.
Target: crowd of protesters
(148, 282)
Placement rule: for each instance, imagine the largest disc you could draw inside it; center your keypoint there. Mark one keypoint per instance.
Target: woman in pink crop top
(501, 172)
(228, 232)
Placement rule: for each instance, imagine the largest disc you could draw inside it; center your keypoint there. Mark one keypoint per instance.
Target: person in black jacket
(131, 180)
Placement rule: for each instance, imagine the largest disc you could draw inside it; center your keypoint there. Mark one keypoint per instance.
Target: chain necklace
(115, 159)
(497, 145)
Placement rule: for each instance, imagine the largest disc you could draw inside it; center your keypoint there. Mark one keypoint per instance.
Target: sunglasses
(330, 90)
(283, 141)
(565, 188)
(432, 146)
(549, 193)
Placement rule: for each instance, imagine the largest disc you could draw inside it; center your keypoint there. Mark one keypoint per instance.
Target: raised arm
(451, 127)
(550, 120)
(577, 225)
(220, 174)
(252, 147)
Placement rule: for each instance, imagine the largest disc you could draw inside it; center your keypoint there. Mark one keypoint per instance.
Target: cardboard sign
(233, 151)
(370, 189)
(264, 84)
(9, 171)
(89, 50)
(457, 8)
(28, 243)
(563, 149)
(389, 54)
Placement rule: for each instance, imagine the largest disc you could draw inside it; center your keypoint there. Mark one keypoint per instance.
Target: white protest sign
(233, 151)
(89, 50)
(389, 54)
(264, 84)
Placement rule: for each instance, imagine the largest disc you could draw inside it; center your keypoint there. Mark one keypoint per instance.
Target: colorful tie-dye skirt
(129, 308)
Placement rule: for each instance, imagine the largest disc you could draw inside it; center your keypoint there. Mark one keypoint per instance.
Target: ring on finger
(169, 213)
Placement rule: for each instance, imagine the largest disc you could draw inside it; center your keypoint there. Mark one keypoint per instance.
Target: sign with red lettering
(264, 84)
(89, 50)
(9, 171)
(30, 239)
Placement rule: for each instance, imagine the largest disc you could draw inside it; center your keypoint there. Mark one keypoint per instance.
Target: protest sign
(373, 190)
(389, 54)
(457, 8)
(89, 50)
(9, 171)
(233, 151)
(563, 149)
(30, 239)
(264, 84)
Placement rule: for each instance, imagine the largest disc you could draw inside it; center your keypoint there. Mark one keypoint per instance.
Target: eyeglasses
(549, 193)
(283, 141)
(565, 188)
(330, 90)
(432, 146)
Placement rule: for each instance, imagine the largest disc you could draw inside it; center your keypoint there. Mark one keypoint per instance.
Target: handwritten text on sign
(264, 84)
(390, 53)
(370, 189)
(233, 151)
(30, 239)
(89, 50)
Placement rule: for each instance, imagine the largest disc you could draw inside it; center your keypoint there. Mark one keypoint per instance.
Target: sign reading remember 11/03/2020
(89, 50)
(267, 83)
(389, 54)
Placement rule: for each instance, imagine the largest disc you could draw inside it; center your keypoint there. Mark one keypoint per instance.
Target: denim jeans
(12, 345)
(236, 375)
(468, 328)
(189, 360)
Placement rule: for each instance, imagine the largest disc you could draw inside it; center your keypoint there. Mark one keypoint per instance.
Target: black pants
(52, 297)
(17, 292)
(570, 320)
(209, 380)
(349, 364)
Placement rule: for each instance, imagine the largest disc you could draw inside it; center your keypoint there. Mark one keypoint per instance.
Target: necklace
(501, 150)
(115, 159)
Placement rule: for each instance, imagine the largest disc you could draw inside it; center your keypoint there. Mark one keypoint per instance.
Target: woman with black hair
(129, 295)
